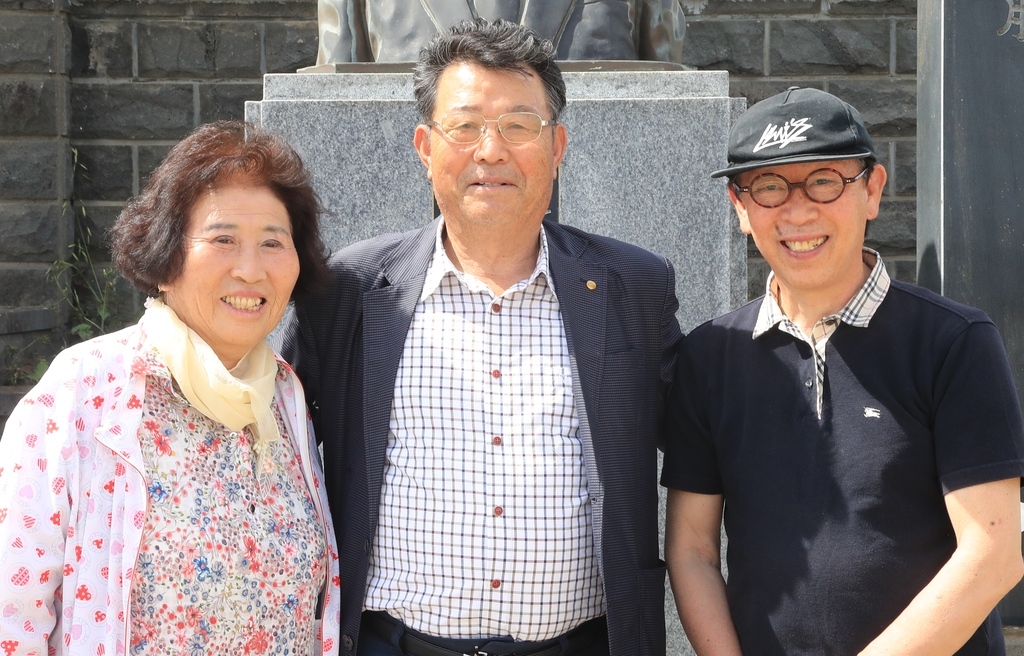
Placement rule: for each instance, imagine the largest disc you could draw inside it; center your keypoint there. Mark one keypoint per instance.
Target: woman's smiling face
(239, 270)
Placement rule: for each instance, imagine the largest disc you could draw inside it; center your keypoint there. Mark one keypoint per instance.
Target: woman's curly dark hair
(148, 239)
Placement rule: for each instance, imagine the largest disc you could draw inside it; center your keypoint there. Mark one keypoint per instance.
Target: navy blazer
(622, 336)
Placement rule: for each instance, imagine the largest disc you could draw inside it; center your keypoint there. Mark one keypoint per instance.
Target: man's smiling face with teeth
(491, 182)
(812, 247)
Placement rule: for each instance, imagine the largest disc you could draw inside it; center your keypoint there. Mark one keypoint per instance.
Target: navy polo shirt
(835, 524)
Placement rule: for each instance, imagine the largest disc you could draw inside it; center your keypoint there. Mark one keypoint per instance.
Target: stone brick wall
(35, 171)
(93, 93)
(864, 51)
(143, 74)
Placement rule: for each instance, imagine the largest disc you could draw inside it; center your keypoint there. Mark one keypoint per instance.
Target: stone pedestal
(641, 146)
(970, 234)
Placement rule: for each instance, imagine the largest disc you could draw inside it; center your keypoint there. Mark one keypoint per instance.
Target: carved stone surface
(395, 30)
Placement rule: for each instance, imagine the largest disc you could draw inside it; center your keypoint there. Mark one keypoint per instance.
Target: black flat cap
(797, 125)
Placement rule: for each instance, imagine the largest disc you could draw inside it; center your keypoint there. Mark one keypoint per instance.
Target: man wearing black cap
(863, 435)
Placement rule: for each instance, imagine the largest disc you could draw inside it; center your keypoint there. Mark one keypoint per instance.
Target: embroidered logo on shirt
(873, 413)
(790, 131)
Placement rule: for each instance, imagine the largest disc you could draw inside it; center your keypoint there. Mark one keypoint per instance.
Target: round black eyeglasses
(821, 186)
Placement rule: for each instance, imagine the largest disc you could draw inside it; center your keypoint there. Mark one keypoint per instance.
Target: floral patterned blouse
(230, 562)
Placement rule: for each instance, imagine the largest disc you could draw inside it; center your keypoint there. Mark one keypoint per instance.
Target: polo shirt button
(496, 374)
(496, 441)
(496, 308)
(498, 511)
(495, 584)
(809, 383)
(347, 642)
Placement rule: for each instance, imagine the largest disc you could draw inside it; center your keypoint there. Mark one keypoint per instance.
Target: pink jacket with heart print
(73, 502)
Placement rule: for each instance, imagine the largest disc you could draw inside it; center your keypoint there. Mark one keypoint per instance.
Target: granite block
(23, 320)
(150, 157)
(882, 148)
(103, 172)
(339, 86)
(745, 7)
(888, 105)
(736, 46)
(589, 84)
(31, 5)
(609, 184)
(757, 277)
(646, 84)
(290, 45)
(136, 9)
(871, 7)
(829, 47)
(27, 43)
(288, 9)
(904, 270)
(364, 165)
(22, 285)
(28, 169)
(292, 9)
(226, 101)
(28, 107)
(906, 47)
(199, 49)
(131, 110)
(894, 231)
(755, 90)
(99, 219)
(905, 169)
(30, 232)
(254, 112)
(101, 49)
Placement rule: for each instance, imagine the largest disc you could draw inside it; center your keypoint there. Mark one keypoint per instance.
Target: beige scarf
(207, 384)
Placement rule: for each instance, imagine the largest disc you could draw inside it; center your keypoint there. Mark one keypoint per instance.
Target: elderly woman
(160, 490)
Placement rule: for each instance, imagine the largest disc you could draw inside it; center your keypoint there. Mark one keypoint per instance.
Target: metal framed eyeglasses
(467, 128)
(821, 186)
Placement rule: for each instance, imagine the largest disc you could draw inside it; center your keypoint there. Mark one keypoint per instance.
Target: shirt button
(496, 307)
(347, 641)
(495, 584)
(809, 383)
(498, 511)
(496, 373)
(496, 441)
(233, 435)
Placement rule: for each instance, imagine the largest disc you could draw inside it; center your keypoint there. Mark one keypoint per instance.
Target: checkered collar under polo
(441, 265)
(857, 312)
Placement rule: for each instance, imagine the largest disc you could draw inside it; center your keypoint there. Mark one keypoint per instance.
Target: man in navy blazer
(489, 390)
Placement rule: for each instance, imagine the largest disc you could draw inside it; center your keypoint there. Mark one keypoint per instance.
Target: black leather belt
(582, 636)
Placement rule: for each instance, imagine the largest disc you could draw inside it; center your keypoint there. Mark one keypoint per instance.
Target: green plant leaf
(38, 371)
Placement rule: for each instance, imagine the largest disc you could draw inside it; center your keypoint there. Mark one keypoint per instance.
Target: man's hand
(692, 546)
(985, 566)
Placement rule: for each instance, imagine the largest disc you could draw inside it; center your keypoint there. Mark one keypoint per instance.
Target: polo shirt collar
(441, 266)
(857, 312)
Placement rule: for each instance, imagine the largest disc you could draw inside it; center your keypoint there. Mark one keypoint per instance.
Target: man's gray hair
(500, 46)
